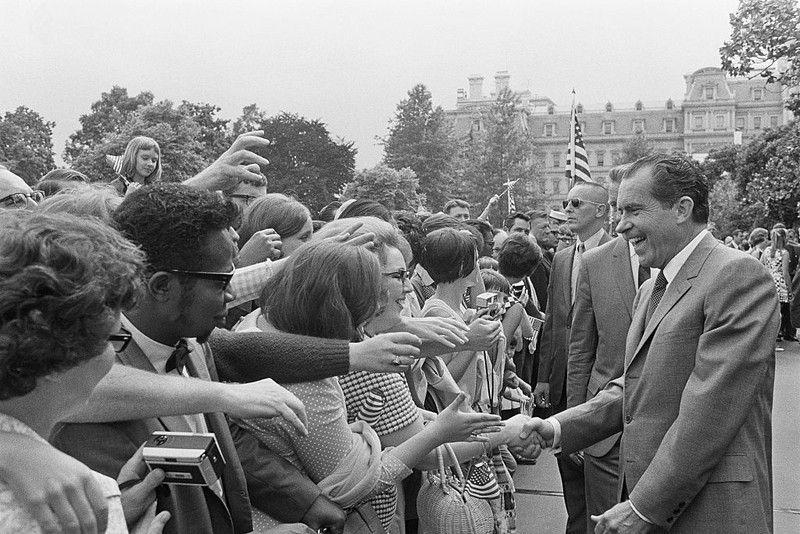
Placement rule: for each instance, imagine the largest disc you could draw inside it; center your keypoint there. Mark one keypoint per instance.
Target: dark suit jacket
(557, 323)
(695, 399)
(540, 279)
(106, 447)
(601, 317)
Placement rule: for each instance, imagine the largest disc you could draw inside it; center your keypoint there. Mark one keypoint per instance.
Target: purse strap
(462, 482)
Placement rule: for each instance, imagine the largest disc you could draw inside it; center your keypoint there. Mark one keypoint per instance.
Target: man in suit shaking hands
(695, 398)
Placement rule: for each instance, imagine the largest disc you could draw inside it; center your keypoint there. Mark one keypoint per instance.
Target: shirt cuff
(643, 518)
(556, 448)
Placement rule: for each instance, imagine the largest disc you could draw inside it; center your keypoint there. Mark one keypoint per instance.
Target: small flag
(481, 482)
(577, 169)
(372, 407)
(512, 205)
(115, 162)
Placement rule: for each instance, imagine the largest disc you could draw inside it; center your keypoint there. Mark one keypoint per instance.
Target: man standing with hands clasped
(694, 403)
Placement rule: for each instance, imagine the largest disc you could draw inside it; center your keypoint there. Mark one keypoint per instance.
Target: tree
(252, 118)
(397, 190)
(500, 152)
(304, 161)
(214, 134)
(635, 147)
(26, 145)
(420, 139)
(764, 42)
(108, 116)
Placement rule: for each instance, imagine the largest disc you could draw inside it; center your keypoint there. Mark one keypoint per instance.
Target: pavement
(540, 503)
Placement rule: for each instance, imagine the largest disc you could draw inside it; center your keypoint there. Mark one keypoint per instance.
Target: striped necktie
(659, 289)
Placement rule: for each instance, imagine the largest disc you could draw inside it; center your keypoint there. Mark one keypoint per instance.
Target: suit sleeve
(731, 381)
(582, 341)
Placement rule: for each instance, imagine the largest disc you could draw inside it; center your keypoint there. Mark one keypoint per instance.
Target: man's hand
(262, 246)
(234, 165)
(325, 514)
(264, 398)
(621, 518)
(385, 353)
(138, 487)
(541, 394)
(535, 434)
(483, 333)
(59, 492)
(347, 236)
(449, 332)
(530, 447)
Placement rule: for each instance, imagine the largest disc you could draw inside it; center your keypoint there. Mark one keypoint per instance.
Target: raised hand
(458, 423)
(262, 246)
(385, 353)
(235, 164)
(264, 398)
(444, 330)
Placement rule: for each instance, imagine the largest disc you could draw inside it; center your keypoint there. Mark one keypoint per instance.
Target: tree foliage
(635, 147)
(397, 190)
(421, 139)
(304, 161)
(500, 152)
(765, 42)
(26, 145)
(250, 120)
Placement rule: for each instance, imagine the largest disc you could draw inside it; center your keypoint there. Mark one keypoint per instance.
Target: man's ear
(684, 209)
(163, 286)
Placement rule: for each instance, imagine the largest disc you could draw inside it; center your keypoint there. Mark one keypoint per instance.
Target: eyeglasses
(225, 278)
(20, 200)
(247, 198)
(576, 202)
(400, 274)
(120, 340)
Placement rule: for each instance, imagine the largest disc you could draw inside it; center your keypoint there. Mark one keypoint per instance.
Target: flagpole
(572, 119)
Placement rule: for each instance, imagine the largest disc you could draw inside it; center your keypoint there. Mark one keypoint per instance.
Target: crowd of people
(332, 355)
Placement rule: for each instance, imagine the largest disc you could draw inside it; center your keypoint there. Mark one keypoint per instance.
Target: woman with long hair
(288, 217)
(776, 258)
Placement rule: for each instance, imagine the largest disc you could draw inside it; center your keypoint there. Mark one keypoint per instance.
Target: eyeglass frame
(400, 274)
(206, 275)
(123, 336)
(247, 198)
(567, 201)
(34, 193)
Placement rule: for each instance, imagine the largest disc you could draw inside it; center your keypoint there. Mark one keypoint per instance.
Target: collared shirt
(592, 242)
(248, 282)
(635, 265)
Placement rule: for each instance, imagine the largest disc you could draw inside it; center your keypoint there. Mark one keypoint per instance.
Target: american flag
(577, 169)
(481, 482)
(372, 407)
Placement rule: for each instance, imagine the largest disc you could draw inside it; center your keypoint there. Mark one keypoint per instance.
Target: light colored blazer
(557, 323)
(601, 317)
(695, 398)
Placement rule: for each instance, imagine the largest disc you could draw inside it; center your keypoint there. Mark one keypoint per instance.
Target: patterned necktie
(658, 291)
(644, 275)
(576, 267)
(177, 361)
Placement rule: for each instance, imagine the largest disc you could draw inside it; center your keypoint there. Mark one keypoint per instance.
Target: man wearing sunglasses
(15, 193)
(190, 248)
(586, 207)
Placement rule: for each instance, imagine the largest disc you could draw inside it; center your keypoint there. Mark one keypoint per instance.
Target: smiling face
(146, 162)
(457, 212)
(653, 229)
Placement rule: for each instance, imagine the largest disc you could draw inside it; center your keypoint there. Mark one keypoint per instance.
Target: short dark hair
(675, 176)
(537, 214)
(449, 255)
(455, 203)
(411, 227)
(171, 223)
(63, 279)
(362, 207)
(326, 289)
(519, 256)
(509, 222)
(437, 221)
(494, 281)
(615, 174)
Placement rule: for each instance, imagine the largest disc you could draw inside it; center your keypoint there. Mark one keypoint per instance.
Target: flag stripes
(577, 169)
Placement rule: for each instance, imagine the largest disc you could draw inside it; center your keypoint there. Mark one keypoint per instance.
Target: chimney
(476, 87)
(501, 81)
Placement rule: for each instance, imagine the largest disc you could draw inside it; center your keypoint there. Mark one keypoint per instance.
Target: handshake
(533, 435)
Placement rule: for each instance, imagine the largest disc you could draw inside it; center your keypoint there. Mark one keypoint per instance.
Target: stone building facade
(715, 111)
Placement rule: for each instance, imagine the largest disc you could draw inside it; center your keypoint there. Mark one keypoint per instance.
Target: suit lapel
(675, 291)
(623, 273)
(566, 279)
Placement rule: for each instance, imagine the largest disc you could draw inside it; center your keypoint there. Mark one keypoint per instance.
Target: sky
(348, 63)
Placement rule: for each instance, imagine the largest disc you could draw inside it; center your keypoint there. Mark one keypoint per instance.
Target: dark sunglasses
(576, 202)
(225, 278)
(400, 274)
(120, 340)
(20, 200)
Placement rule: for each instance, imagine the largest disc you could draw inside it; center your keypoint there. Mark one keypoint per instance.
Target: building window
(609, 107)
(669, 125)
(638, 125)
(542, 186)
(601, 159)
(556, 161)
(720, 122)
(758, 94)
(579, 108)
(551, 110)
(639, 106)
(608, 127)
(670, 104)
(476, 125)
(739, 124)
(756, 123)
(556, 185)
(773, 121)
(550, 130)
(698, 122)
(709, 91)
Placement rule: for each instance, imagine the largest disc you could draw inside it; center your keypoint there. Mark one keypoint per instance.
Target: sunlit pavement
(540, 505)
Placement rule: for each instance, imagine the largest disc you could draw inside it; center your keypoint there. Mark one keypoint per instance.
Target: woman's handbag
(444, 506)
